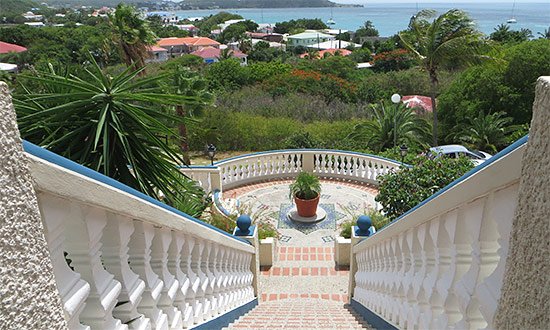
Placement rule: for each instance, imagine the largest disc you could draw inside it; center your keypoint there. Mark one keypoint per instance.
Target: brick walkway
(303, 289)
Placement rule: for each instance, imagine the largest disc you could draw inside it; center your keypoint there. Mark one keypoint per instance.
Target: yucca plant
(118, 126)
(306, 186)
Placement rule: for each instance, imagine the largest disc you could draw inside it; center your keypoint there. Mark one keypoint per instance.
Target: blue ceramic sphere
(364, 222)
(243, 222)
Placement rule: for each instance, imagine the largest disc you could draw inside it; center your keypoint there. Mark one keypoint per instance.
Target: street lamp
(403, 150)
(211, 151)
(395, 98)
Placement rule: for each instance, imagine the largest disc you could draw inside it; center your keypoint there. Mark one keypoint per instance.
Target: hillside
(15, 7)
(204, 4)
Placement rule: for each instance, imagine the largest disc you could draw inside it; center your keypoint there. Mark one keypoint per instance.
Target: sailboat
(331, 21)
(512, 19)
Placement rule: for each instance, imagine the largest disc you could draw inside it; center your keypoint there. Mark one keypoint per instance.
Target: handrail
(283, 164)
(338, 151)
(448, 251)
(53, 158)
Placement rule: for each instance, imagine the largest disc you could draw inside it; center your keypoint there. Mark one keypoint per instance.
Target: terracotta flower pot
(307, 207)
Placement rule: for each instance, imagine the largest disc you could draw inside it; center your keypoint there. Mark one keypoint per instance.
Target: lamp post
(395, 98)
(403, 150)
(211, 151)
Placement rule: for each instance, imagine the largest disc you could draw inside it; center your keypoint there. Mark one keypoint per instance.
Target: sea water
(392, 18)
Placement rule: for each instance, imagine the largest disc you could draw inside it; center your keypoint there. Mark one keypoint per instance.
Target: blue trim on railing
(226, 319)
(468, 174)
(216, 200)
(372, 318)
(221, 162)
(89, 173)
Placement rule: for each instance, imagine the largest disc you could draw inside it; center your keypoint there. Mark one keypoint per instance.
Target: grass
(199, 158)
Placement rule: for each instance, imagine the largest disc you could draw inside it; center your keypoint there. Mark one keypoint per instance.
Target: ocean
(394, 17)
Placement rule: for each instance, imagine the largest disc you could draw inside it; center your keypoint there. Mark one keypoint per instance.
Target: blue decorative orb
(364, 222)
(243, 222)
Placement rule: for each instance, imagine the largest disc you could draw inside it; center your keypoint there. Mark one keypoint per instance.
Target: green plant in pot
(306, 191)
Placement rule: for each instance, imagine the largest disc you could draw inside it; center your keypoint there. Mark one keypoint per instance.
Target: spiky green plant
(114, 125)
(306, 186)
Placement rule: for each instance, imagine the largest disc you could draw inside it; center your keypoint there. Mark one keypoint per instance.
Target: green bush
(378, 219)
(402, 190)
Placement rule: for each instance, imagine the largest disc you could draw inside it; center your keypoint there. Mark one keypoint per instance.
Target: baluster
(115, 240)
(177, 264)
(220, 278)
(395, 280)
(85, 225)
(494, 239)
(196, 260)
(214, 279)
(140, 263)
(465, 285)
(427, 247)
(205, 282)
(194, 281)
(403, 285)
(72, 288)
(226, 278)
(159, 264)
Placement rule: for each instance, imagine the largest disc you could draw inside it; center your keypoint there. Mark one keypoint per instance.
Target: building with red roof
(421, 104)
(212, 55)
(11, 48)
(157, 54)
(187, 45)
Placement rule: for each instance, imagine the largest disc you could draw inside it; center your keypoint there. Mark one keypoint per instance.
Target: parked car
(455, 151)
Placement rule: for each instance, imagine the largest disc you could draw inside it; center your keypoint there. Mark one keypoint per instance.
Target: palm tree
(225, 54)
(487, 132)
(132, 34)
(392, 125)
(450, 39)
(545, 34)
(114, 125)
(187, 83)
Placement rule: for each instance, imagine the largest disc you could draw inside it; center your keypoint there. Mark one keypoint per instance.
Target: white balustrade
(442, 265)
(123, 261)
(284, 164)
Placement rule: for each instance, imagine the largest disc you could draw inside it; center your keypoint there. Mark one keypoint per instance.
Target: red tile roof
(211, 52)
(191, 41)
(8, 48)
(157, 49)
(418, 101)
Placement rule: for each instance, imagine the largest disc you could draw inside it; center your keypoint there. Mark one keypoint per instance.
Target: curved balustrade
(441, 265)
(282, 164)
(123, 260)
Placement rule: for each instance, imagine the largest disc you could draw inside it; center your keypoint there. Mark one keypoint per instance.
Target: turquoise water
(391, 18)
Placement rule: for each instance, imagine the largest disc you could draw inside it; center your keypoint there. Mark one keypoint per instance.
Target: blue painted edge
(468, 174)
(228, 318)
(68, 164)
(216, 199)
(221, 162)
(197, 166)
(250, 232)
(372, 318)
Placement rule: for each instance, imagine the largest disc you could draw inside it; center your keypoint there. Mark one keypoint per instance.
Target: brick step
(304, 271)
(296, 253)
(322, 296)
(305, 313)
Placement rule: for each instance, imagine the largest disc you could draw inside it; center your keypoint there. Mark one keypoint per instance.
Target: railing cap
(68, 164)
(221, 162)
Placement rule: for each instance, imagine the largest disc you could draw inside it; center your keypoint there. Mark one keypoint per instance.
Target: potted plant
(306, 191)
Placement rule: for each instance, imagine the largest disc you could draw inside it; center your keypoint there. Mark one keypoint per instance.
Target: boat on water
(331, 20)
(512, 19)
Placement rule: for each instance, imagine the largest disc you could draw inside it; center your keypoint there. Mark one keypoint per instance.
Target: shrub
(402, 190)
(399, 59)
(306, 186)
(378, 219)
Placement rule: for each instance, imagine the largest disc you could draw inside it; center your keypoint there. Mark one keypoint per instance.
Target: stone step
(305, 313)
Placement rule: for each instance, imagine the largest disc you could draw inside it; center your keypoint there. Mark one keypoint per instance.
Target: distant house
(212, 55)
(331, 44)
(6, 48)
(189, 28)
(307, 38)
(179, 46)
(333, 51)
(157, 54)
(35, 24)
(270, 37)
(30, 16)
